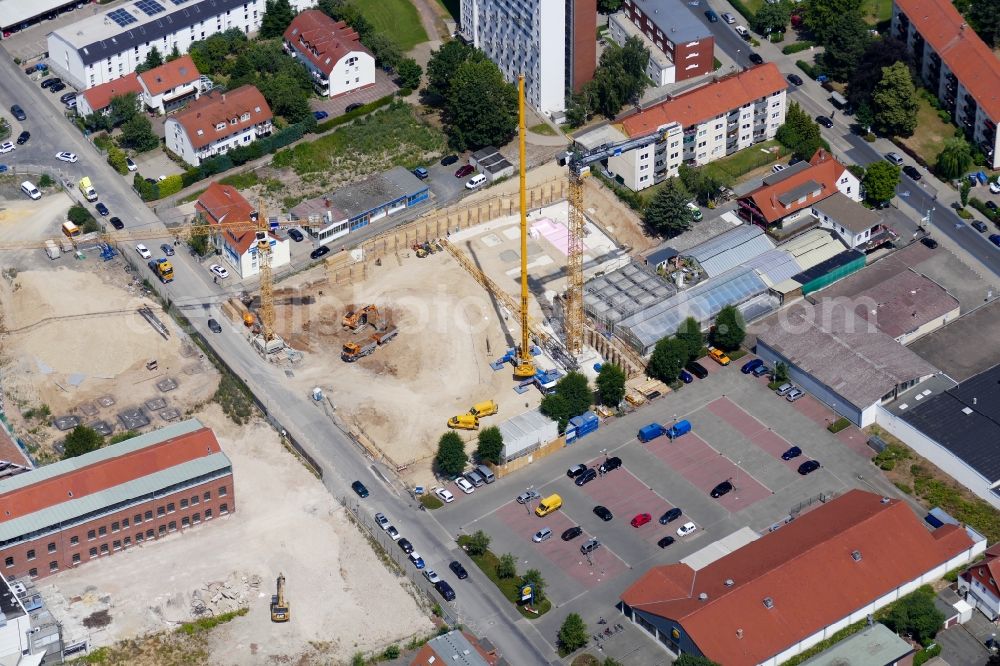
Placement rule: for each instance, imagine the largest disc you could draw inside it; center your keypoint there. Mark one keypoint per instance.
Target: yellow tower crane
(268, 342)
(525, 368)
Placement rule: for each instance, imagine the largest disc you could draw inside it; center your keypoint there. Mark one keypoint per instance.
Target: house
(681, 47)
(773, 598)
(491, 163)
(331, 51)
(171, 85)
(978, 583)
(789, 195)
(98, 98)
(223, 203)
(456, 647)
(858, 227)
(218, 122)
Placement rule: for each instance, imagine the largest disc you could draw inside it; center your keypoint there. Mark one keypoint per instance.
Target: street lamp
(527, 502)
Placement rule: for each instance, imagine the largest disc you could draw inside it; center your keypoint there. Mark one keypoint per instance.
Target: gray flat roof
(877, 645)
(791, 196)
(904, 303)
(787, 172)
(454, 648)
(848, 213)
(675, 20)
(966, 345)
(357, 199)
(730, 249)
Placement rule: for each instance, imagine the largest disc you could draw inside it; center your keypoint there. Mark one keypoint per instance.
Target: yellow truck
(87, 190)
(162, 269)
(481, 409)
(548, 505)
(464, 422)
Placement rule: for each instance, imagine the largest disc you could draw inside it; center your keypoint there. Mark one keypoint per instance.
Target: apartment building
(98, 98)
(956, 65)
(171, 85)
(331, 51)
(110, 44)
(218, 122)
(700, 126)
(681, 47)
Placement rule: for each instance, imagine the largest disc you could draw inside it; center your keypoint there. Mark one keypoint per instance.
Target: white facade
(353, 71)
(331, 51)
(180, 142)
(981, 596)
(247, 264)
(168, 98)
(660, 68)
(523, 36)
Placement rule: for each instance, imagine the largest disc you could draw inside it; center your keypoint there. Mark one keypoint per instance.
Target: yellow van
(70, 230)
(481, 409)
(548, 505)
(464, 422)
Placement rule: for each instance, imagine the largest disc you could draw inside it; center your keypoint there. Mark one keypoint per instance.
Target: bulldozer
(356, 319)
(280, 608)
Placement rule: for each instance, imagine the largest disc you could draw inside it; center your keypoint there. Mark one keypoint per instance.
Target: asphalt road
(477, 604)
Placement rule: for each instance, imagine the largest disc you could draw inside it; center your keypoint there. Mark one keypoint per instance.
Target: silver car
(785, 389)
(794, 395)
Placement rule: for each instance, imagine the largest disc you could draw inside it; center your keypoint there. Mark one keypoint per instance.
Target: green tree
(879, 53)
(478, 543)
(573, 634)
(668, 358)
(694, 660)
(894, 101)
(121, 109)
(578, 110)
(153, 60)
(963, 192)
(81, 440)
(278, 14)
(286, 97)
(4, 128)
(79, 215)
(780, 372)
(572, 397)
(668, 213)
(955, 159)
(506, 566)
(916, 614)
(703, 186)
(122, 436)
(729, 329)
(984, 15)
(608, 6)
(533, 577)
(820, 15)
(490, 445)
(799, 133)
(556, 408)
(444, 64)
(138, 135)
(880, 181)
(117, 159)
(482, 107)
(174, 54)
(620, 77)
(689, 332)
(611, 384)
(845, 42)
(451, 457)
(771, 17)
(409, 73)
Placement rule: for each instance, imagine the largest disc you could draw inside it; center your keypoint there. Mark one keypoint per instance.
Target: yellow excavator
(280, 610)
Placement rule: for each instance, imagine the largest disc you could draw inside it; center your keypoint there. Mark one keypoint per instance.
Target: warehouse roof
(730, 249)
(356, 199)
(904, 303)
(876, 644)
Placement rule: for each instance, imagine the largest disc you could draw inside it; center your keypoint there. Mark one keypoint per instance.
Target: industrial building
(217, 122)
(681, 47)
(491, 164)
(357, 205)
(331, 51)
(19, 644)
(771, 599)
(76, 510)
(223, 203)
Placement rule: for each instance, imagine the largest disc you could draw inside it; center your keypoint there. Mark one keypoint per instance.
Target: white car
(445, 495)
(219, 270)
(685, 529)
(393, 532)
(143, 251)
(66, 157)
(6, 147)
(995, 187)
(431, 576)
(728, 18)
(130, 164)
(382, 521)
(464, 485)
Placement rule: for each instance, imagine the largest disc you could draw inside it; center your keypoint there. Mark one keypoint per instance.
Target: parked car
(808, 467)
(392, 532)
(586, 477)
(929, 242)
(641, 519)
(685, 529)
(728, 18)
(760, 370)
(464, 171)
(719, 356)
(686, 377)
(665, 541)
(320, 115)
(360, 489)
(824, 121)
(49, 81)
(117, 223)
(352, 107)
(444, 495)
(590, 546)
(382, 521)
(67, 97)
(319, 252)
(421, 173)
(721, 489)
(214, 326)
(130, 164)
(572, 533)
(445, 590)
(527, 496)
(431, 576)
(168, 249)
(295, 235)
(448, 160)
(612, 463)
(102, 209)
(405, 546)
(6, 147)
(219, 270)
(795, 79)
(575, 471)
(784, 389)
(143, 251)
(464, 485)
(751, 365)
(603, 513)
(756, 59)
(18, 113)
(418, 561)
(712, 16)
(57, 87)
(791, 453)
(696, 369)
(23, 137)
(794, 394)
(670, 516)
(995, 239)
(541, 535)
(67, 157)
(894, 158)
(457, 568)
(992, 206)
(912, 172)
(995, 187)
(979, 226)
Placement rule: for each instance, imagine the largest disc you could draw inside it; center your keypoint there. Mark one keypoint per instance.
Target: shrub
(981, 207)
(838, 425)
(964, 214)
(46, 181)
(870, 137)
(810, 70)
(171, 185)
(742, 9)
(391, 652)
(795, 47)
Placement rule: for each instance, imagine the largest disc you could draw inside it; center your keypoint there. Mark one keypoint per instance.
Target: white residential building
(220, 204)
(523, 36)
(109, 45)
(171, 85)
(331, 51)
(218, 122)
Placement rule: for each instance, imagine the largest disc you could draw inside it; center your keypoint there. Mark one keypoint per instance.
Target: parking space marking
(762, 436)
(627, 497)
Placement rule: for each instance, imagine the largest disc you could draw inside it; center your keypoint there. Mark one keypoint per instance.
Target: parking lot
(740, 431)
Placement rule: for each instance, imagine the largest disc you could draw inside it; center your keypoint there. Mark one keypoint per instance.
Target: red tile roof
(960, 48)
(10, 451)
(986, 572)
(825, 171)
(223, 203)
(100, 96)
(322, 40)
(807, 570)
(220, 109)
(105, 474)
(170, 75)
(708, 101)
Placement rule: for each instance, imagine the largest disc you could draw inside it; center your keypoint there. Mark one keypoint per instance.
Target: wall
(520, 463)
(344, 78)
(582, 56)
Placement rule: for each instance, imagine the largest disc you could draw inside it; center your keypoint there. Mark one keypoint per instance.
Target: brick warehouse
(93, 505)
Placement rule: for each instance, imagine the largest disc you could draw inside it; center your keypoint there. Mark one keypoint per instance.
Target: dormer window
(245, 116)
(234, 120)
(220, 126)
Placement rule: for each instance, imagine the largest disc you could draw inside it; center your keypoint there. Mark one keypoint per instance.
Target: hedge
(795, 47)
(742, 9)
(171, 185)
(981, 207)
(838, 425)
(810, 70)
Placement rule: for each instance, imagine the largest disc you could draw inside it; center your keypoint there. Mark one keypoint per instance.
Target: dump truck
(385, 336)
(481, 409)
(87, 190)
(51, 249)
(650, 432)
(353, 351)
(464, 422)
(162, 269)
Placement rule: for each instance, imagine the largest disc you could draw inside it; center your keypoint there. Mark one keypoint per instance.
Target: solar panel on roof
(121, 17)
(178, 2)
(150, 7)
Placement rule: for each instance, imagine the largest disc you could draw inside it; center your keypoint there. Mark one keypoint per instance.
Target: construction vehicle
(481, 409)
(162, 269)
(384, 336)
(51, 249)
(87, 190)
(280, 608)
(70, 230)
(356, 319)
(353, 351)
(464, 422)
(525, 366)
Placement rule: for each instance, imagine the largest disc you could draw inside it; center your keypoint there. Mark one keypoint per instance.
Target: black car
(603, 513)
(67, 97)
(445, 589)
(756, 59)
(353, 107)
(696, 369)
(448, 160)
(405, 545)
(51, 81)
(18, 112)
(721, 489)
(793, 452)
(319, 252)
(458, 570)
(670, 516)
(979, 226)
(808, 467)
(214, 326)
(295, 235)
(360, 489)
(929, 242)
(572, 533)
(665, 541)
(23, 137)
(614, 462)
(575, 471)
(59, 86)
(991, 205)
(117, 223)
(795, 79)
(912, 172)
(168, 249)
(586, 477)
(824, 121)
(101, 208)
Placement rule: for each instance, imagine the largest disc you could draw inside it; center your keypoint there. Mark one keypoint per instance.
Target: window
(52, 547)
(33, 573)
(196, 518)
(76, 558)
(194, 500)
(207, 496)
(31, 554)
(170, 507)
(224, 509)
(149, 534)
(138, 537)
(162, 530)
(115, 527)
(160, 511)
(245, 117)
(128, 541)
(102, 530)
(8, 562)
(117, 545)
(74, 540)
(148, 515)
(208, 512)
(184, 504)
(185, 522)
(104, 549)
(137, 518)
(93, 552)
(53, 566)
(172, 526)
(91, 535)
(124, 523)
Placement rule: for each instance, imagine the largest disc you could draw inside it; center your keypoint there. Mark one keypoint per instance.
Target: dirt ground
(449, 331)
(24, 220)
(342, 598)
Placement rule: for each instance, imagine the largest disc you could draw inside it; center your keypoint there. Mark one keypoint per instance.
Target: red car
(464, 171)
(641, 520)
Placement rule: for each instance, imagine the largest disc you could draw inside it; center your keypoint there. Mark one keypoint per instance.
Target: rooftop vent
(856, 555)
(768, 602)
(739, 633)
(729, 582)
(703, 597)
(885, 500)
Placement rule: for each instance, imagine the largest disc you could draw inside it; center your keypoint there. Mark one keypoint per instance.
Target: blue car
(320, 115)
(686, 377)
(995, 239)
(750, 366)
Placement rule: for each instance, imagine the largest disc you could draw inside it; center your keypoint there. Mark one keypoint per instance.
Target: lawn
(876, 11)
(730, 168)
(928, 140)
(510, 587)
(396, 19)
(542, 128)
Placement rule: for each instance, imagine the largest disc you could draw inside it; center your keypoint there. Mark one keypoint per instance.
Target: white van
(475, 181)
(742, 32)
(28, 188)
